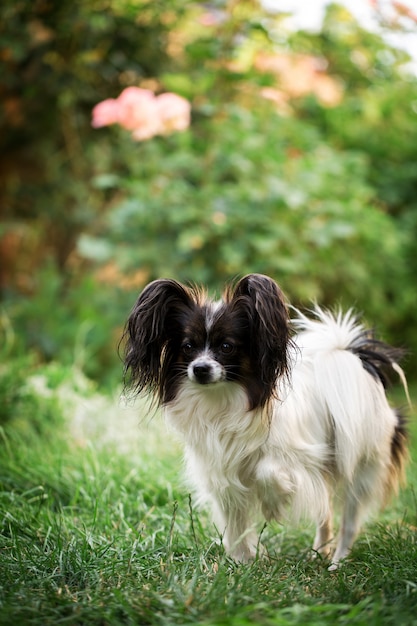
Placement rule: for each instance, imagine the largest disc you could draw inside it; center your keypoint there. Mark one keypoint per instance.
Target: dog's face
(177, 334)
(215, 345)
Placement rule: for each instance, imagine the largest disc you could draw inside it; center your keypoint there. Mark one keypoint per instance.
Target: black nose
(202, 373)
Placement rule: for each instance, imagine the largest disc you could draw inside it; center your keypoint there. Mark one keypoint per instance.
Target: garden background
(300, 162)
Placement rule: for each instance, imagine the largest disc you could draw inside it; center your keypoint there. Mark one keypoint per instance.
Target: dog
(280, 417)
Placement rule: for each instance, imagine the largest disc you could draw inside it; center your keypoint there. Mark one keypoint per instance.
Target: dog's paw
(334, 566)
(247, 553)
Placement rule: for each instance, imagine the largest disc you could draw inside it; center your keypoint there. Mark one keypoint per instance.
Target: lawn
(97, 529)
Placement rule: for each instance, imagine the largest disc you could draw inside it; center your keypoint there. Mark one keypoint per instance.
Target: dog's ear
(155, 317)
(268, 324)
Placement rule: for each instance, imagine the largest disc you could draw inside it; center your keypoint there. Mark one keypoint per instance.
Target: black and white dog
(273, 423)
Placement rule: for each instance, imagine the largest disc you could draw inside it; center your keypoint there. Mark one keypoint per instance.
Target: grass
(97, 529)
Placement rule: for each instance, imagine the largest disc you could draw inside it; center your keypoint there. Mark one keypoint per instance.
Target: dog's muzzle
(205, 371)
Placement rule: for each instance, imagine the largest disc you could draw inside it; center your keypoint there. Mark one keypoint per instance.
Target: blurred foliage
(300, 163)
(57, 60)
(284, 204)
(24, 405)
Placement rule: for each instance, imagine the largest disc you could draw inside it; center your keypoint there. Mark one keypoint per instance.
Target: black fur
(399, 444)
(261, 303)
(377, 357)
(155, 321)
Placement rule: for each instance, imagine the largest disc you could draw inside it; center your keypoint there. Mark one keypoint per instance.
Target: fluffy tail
(351, 371)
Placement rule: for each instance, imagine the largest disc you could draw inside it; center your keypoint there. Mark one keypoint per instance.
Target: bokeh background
(300, 161)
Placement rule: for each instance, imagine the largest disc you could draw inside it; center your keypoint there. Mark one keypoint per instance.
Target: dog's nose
(202, 372)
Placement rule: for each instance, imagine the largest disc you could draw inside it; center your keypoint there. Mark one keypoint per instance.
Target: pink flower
(145, 115)
(105, 113)
(174, 112)
(137, 112)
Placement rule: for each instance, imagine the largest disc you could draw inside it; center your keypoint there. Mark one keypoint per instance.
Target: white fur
(330, 432)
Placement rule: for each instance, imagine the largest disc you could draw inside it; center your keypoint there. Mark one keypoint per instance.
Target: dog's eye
(187, 347)
(227, 348)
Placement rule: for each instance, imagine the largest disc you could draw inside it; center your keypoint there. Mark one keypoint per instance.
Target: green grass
(97, 529)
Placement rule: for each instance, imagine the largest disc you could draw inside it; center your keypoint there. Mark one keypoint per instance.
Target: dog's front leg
(231, 518)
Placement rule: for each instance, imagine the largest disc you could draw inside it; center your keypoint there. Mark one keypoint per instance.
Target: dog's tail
(351, 370)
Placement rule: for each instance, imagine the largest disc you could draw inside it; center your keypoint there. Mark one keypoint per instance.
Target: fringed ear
(269, 329)
(155, 318)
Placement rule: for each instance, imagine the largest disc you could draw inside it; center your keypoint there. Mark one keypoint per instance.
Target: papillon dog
(279, 417)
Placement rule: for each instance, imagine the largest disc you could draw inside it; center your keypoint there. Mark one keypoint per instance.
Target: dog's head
(176, 334)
